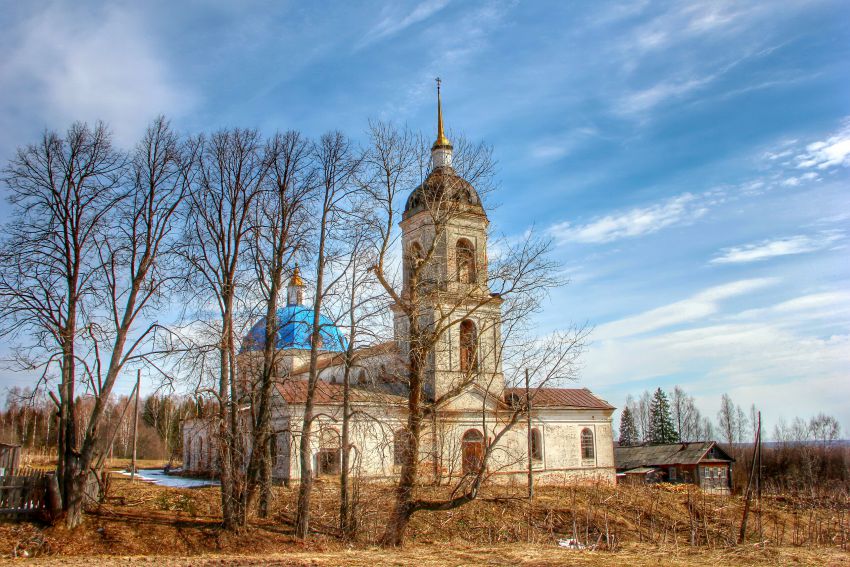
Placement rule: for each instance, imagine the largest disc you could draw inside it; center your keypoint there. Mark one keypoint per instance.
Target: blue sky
(690, 159)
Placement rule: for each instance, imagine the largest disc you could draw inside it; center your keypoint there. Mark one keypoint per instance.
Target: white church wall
(371, 434)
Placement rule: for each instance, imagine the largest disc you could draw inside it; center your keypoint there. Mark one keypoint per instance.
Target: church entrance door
(473, 451)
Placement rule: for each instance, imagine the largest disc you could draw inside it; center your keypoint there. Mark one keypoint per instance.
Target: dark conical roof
(443, 185)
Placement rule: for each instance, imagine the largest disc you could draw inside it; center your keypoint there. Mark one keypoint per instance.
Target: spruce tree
(661, 429)
(628, 431)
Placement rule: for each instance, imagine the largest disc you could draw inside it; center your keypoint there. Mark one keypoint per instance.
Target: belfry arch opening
(465, 255)
(468, 347)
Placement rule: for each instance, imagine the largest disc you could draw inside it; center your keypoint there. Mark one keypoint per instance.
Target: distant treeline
(803, 455)
(31, 420)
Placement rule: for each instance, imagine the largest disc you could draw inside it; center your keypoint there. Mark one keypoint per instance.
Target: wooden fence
(33, 494)
(24, 495)
(10, 457)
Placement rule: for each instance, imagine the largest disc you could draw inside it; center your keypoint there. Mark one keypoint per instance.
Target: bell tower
(445, 226)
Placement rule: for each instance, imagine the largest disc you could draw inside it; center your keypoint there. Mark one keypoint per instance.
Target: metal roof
(295, 323)
(295, 392)
(560, 397)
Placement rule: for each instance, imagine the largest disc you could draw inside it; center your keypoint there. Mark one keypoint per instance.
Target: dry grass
(142, 523)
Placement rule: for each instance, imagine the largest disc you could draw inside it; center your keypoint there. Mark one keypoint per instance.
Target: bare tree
(360, 304)
(825, 429)
(687, 416)
(337, 164)
(437, 297)
(231, 172)
(93, 244)
(278, 232)
(63, 190)
(727, 418)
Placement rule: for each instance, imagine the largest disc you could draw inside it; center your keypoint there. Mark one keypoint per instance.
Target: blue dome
(294, 325)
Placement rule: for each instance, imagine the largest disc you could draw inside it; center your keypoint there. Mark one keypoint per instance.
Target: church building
(571, 433)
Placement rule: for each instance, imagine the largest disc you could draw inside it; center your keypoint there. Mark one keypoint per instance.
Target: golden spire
(442, 141)
(296, 277)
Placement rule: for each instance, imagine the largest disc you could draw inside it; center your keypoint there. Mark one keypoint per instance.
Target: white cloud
(637, 221)
(761, 356)
(771, 248)
(829, 153)
(699, 306)
(89, 65)
(393, 24)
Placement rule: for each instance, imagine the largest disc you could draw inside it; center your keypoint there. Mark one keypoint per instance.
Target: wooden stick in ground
(135, 426)
(743, 534)
(530, 436)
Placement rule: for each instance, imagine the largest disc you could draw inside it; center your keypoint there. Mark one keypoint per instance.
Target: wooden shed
(702, 463)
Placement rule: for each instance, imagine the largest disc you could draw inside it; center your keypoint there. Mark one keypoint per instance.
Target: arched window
(401, 440)
(468, 347)
(465, 253)
(536, 445)
(586, 443)
(473, 451)
(361, 377)
(188, 464)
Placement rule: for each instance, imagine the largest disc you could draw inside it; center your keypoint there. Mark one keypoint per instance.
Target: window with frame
(536, 445)
(400, 446)
(587, 450)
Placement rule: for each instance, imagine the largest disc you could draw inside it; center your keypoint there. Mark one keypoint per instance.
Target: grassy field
(144, 524)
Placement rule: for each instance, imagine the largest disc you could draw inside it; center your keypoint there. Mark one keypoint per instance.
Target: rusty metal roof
(295, 392)
(560, 397)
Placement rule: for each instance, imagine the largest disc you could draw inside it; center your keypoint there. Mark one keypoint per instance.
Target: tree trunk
(225, 443)
(403, 509)
(305, 487)
(345, 519)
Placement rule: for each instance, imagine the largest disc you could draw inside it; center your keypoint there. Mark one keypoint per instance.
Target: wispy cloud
(556, 147)
(696, 307)
(772, 248)
(395, 23)
(71, 65)
(630, 223)
(833, 305)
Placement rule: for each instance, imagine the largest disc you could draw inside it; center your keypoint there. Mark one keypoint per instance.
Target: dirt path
(432, 556)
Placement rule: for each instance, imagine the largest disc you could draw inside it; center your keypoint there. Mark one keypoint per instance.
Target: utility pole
(756, 460)
(528, 425)
(135, 425)
(758, 483)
